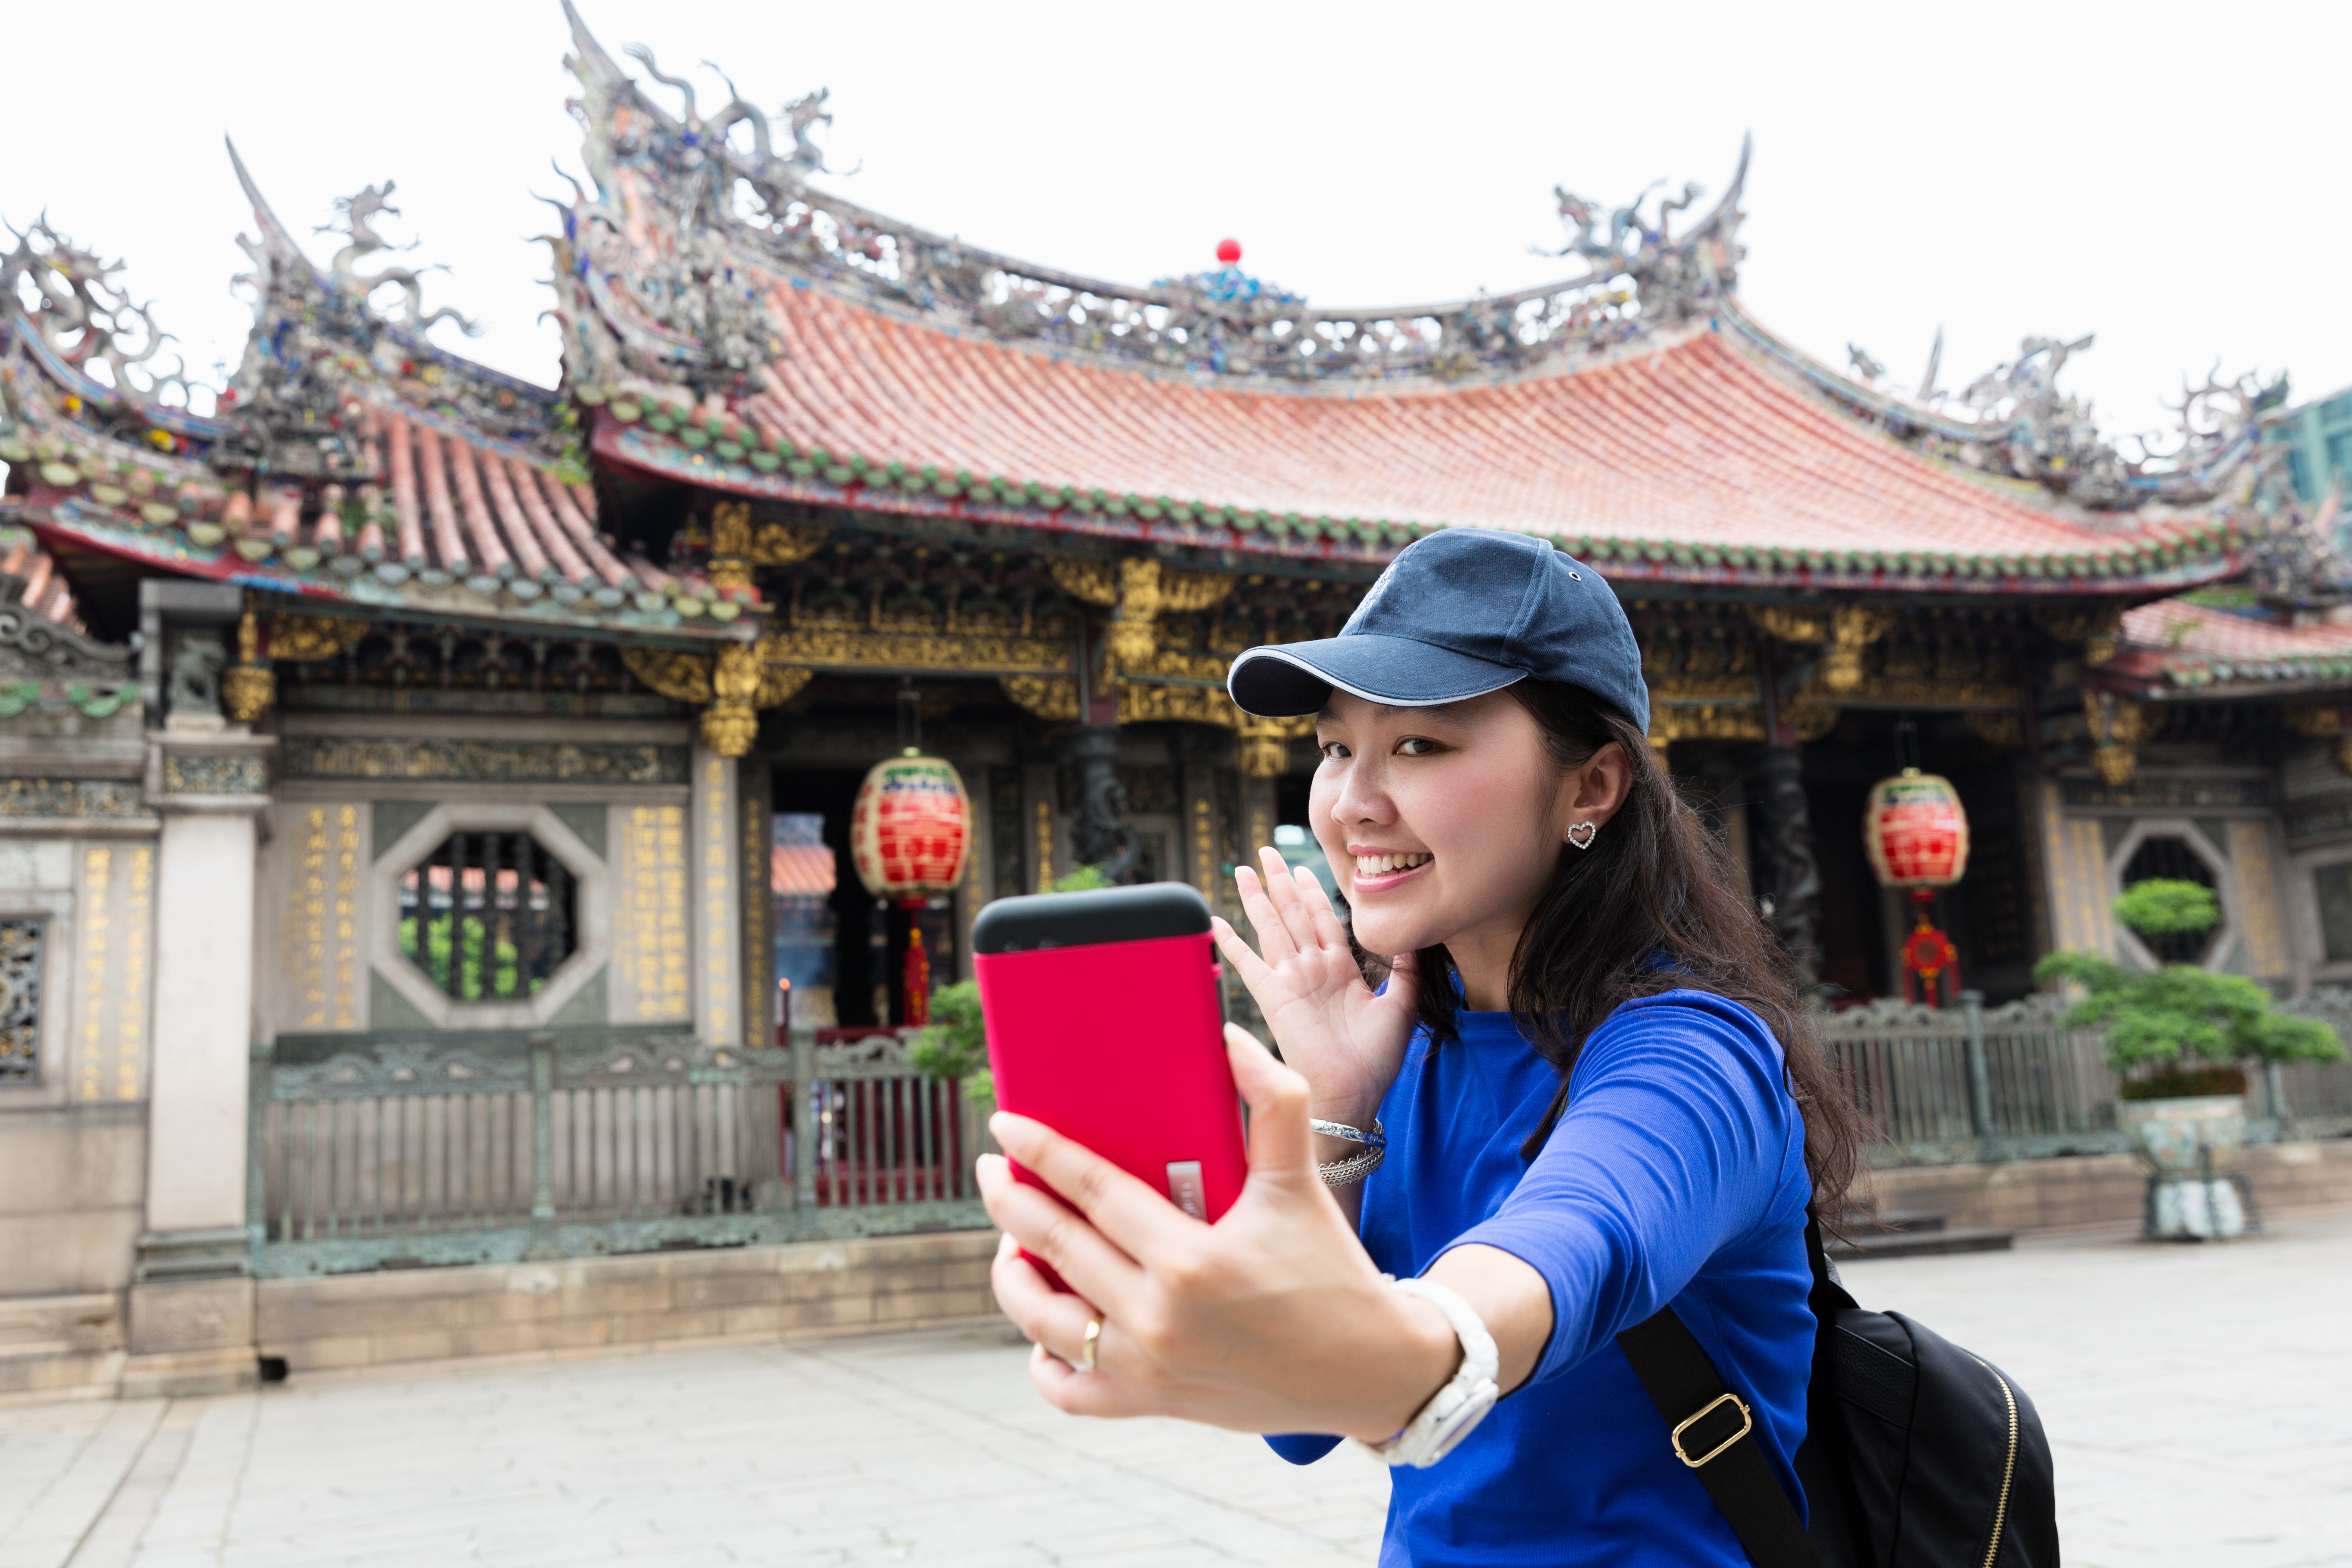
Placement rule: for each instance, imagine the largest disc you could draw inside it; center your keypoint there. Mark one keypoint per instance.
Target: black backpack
(1916, 1454)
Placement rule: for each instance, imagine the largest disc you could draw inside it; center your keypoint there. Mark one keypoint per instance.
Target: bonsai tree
(955, 1045)
(2180, 1029)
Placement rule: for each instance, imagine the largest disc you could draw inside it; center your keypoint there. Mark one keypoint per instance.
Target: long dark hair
(1654, 884)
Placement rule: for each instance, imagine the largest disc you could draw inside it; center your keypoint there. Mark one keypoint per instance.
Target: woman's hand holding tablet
(1274, 1318)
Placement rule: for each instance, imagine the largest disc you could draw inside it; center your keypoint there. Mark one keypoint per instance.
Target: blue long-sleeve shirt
(1676, 1175)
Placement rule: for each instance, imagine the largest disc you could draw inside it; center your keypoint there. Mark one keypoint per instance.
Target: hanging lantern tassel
(1930, 954)
(919, 968)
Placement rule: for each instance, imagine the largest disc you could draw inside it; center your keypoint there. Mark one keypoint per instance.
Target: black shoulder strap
(1714, 1434)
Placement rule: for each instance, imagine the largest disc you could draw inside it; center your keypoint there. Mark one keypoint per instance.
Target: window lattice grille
(20, 998)
(489, 916)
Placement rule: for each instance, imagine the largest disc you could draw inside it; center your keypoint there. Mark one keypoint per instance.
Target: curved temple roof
(350, 461)
(736, 327)
(727, 323)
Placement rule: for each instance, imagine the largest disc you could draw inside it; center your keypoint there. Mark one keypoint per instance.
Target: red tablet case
(1118, 1045)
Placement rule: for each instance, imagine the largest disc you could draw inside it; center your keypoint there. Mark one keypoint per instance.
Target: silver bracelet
(1376, 1138)
(1354, 1168)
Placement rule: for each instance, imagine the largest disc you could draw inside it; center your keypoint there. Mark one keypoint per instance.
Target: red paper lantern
(1915, 831)
(910, 828)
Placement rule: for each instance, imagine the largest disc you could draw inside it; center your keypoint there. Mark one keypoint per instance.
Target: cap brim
(1299, 676)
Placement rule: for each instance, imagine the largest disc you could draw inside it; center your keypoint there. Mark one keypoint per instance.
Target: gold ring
(1085, 1361)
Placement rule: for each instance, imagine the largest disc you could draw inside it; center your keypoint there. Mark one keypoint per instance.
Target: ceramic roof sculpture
(350, 461)
(729, 324)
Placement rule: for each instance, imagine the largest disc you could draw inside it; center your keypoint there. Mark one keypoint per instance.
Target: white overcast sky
(2170, 177)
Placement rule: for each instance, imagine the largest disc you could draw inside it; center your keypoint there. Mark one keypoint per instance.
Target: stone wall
(2097, 1189)
(753, 1292)
(61, 1347)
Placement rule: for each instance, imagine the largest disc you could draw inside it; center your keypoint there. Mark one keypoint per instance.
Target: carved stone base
(191, 1309)
(224, 1253)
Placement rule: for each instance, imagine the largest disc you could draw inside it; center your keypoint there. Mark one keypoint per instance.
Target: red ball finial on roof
(1229, 251)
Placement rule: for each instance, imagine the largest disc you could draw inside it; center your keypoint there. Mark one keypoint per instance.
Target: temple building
(402, 734)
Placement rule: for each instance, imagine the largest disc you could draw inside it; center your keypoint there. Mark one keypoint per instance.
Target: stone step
(1921, 1243)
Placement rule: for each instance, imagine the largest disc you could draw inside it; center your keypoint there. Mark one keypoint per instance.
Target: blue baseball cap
(1458, 614)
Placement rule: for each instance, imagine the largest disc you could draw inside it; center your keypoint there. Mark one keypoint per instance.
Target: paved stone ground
(2196, 1398)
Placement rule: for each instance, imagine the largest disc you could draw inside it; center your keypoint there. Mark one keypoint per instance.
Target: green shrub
(2166, 906)
(2181, 1012)
(955, 1042)
(2180, 1029)
(1083, 880)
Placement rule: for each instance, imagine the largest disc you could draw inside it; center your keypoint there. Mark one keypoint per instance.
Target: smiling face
(1443, 825)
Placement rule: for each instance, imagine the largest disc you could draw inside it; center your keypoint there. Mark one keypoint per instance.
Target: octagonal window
(489, 916)
(2174, 860)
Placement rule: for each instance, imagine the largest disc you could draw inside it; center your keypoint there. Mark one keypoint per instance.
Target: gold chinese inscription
(130, 990)
(96, 931)
(650, 918)
(1204, 848)
(1045, 847)
(108, 1051)
(320, 936)
(718, 898)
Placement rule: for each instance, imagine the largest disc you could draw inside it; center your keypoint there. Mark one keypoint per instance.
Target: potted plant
(2178, 1038)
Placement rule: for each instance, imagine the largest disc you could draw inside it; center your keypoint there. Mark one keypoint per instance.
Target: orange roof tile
(803, 870)
(2180, 647)
(1694, 456)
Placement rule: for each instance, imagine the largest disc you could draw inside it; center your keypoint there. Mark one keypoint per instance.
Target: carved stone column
(1098, 835)
(1792, 880)
(717, 892)
(190, 1304)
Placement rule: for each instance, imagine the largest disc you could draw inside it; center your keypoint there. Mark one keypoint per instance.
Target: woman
(1588, 1062)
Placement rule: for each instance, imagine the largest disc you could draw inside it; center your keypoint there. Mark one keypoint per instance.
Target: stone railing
(412, 1156)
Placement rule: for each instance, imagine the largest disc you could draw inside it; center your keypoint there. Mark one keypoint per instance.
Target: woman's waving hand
(1346, 1041)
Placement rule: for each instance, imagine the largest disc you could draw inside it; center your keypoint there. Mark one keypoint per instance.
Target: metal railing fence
(412, 1156)
(1971, 1082)
(409, 1156)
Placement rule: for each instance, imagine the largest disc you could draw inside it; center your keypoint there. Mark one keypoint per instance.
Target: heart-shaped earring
(1584, 834)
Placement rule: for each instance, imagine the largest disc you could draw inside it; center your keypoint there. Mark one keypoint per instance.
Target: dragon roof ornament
(319, 351)
(68, 298)
(348, 459)
(2014, 421)
(663, 270)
